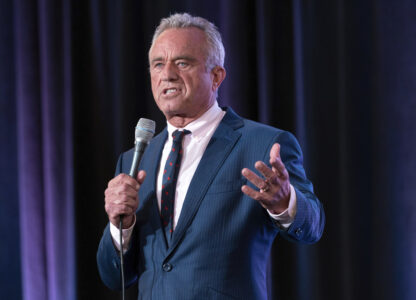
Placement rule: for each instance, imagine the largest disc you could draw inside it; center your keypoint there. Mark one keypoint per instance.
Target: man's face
(181, 84)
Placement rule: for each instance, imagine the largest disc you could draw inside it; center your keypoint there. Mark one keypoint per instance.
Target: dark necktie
(170, 176)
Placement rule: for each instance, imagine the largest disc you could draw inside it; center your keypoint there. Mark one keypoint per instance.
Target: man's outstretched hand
(274, 187)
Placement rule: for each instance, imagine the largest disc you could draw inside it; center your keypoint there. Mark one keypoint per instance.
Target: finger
(115, 206)
(122, 190)
(121, 200)
(279, 168)
(250, 192)
(275, 151)
(124, 179)
(113, 200)
(264, 170)
(116, 210)
(114, 213)
(256, 195)
(277, 163)
(253, 178)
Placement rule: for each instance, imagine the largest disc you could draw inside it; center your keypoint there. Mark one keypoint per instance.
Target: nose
(169, 72)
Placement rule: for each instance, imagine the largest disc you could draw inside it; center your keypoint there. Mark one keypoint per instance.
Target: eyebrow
(181, 57)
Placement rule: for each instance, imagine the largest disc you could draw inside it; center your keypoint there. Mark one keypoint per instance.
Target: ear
(218, 74)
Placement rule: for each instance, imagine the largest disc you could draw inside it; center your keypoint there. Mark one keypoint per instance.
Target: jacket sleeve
(309, 221)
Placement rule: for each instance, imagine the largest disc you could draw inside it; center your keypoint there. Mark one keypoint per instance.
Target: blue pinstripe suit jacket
(221, 245)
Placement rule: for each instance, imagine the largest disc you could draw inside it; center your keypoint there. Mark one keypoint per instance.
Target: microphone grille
(145, 130)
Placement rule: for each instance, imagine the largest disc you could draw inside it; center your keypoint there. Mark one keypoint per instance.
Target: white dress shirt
(194, 145)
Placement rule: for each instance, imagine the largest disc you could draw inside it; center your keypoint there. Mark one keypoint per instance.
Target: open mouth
(170, 91)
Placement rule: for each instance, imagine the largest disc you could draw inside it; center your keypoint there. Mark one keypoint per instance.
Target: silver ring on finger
(265, 187)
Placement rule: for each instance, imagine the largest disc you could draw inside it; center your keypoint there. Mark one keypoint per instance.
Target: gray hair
(216, 52)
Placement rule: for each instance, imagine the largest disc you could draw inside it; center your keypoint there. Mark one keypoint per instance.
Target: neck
(180, 122)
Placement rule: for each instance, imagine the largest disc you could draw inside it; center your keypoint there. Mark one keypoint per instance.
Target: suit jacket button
(167, 267)
(298, 232)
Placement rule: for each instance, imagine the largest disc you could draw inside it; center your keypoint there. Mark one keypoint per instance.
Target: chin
(170, 107)
(169, 112)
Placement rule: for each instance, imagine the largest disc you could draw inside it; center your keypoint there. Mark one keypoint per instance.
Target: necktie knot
(178, 135)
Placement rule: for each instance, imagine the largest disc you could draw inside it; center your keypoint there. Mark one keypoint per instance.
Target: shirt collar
(201, 126)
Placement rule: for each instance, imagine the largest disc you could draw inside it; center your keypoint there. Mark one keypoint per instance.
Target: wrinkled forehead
(180, 41)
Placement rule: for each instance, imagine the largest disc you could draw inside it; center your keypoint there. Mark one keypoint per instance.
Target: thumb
(141, 176)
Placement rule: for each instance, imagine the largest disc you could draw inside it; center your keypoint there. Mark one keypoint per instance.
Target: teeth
(170, 91)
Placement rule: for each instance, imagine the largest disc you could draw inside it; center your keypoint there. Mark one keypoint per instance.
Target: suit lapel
(218, 149)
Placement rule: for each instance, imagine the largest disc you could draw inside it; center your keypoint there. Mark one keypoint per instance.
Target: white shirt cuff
(286, 217)
(126, 236)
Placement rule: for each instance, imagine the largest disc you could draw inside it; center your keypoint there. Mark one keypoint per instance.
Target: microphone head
(145, 130)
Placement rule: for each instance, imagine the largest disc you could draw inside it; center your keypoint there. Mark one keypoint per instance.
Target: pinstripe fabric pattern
(221, 244)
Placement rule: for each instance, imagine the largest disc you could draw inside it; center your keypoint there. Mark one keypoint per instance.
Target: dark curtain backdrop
(340, 75)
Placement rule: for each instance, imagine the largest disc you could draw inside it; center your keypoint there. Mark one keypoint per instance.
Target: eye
(157, 66)
(182, 64)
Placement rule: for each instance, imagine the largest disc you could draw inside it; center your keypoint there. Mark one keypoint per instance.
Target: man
(237, 184)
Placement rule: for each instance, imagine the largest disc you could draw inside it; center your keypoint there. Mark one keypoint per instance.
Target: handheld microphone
(145, 130)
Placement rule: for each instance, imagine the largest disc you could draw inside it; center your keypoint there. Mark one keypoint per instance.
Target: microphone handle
(137, 157)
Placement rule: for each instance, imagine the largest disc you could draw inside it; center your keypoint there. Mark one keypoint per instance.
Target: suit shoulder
(252, 128)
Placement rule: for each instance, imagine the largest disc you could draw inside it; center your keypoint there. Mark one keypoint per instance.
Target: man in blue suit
(239, 184)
